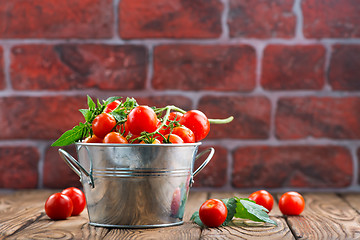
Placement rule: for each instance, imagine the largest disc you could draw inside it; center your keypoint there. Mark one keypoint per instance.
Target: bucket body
(135, 185)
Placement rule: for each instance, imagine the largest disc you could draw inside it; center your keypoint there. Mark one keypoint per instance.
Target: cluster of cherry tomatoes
(70, 202)
(143, 125)
(213, 212)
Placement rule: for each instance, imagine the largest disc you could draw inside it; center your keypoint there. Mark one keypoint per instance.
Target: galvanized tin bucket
(136, 185)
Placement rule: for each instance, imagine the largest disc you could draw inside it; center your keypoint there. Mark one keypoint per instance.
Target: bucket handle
(71, 162)
(207, 160)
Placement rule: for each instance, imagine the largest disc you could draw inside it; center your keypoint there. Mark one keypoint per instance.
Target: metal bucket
(136, 185)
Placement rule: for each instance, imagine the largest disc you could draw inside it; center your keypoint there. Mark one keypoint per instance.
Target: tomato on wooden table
(291, 203)
(197, 122)
(142, 119)
(103, 124)
(213, 212)
(58, 206)
(263, 198)
(78, 199)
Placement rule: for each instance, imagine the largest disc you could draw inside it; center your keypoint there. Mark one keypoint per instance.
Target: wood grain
(353, 199)
(326, 216)
(246, 229)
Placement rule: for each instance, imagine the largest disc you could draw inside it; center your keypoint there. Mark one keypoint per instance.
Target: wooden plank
(20, 209)
(247, 229)
(23, 217)
(326, 216)
(353, 199)
(187, 230)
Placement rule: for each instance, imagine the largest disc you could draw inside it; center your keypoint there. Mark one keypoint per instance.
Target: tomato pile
(114, 121)
(70, 202)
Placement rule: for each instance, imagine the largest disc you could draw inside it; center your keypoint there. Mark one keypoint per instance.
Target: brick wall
(287, 70)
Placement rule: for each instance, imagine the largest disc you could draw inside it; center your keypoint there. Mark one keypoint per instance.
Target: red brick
(318, 117)
(293, 67)
(251, 116)
(210, 67)
(57, 174)
(261, 19)
(162, 101)
(170, 19)
(19, 167)
(292, 166)
(2, 76)
(215, 172)
(331, 18)
(39, 117)
(63, 67)
(56, 19)
(344, 72)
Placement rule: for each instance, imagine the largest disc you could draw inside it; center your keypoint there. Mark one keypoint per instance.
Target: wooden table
(326, 216)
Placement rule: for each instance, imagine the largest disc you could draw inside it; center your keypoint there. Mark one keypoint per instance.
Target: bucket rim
(137, 144)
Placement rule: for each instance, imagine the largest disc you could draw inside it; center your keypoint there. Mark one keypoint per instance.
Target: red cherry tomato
(123, 129)
(197, 122)
(155, 141)
(58, 206)
(111, 106)
(185, 133)
(93, 139)
(142, 118)
(291, 203)
(213, 212)
(103, 124)
(78, 199)
(175, 116)
(173, 138)
(114, 137)
(263, 198)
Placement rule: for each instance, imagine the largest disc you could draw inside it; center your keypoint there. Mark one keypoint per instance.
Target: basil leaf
(196, 218)
(71, 136)
(110, 100)
(91, 103)
(230, 204)
(86, 113)
(248, 209)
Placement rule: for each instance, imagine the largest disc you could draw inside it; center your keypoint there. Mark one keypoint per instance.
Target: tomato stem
(221, 121)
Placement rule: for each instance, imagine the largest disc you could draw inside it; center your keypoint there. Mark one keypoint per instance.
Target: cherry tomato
(213, 212)
(123, 129)
(175, 116)
(103, 124)
(197, 122)
(185, 133)
(263, 198)
(78, 199)
(142, 118)
(114, 137)
(155, 141)
(93, 139)
(58, 206)
(111, 106)
(291, 203)
(173, 138)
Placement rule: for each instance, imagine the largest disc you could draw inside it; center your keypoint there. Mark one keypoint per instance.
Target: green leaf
(230, 204)
(86, 113)
(248, 209)
(119, 115)
(91, 103)
(110, 100)
(196, 219)
(71, 136)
